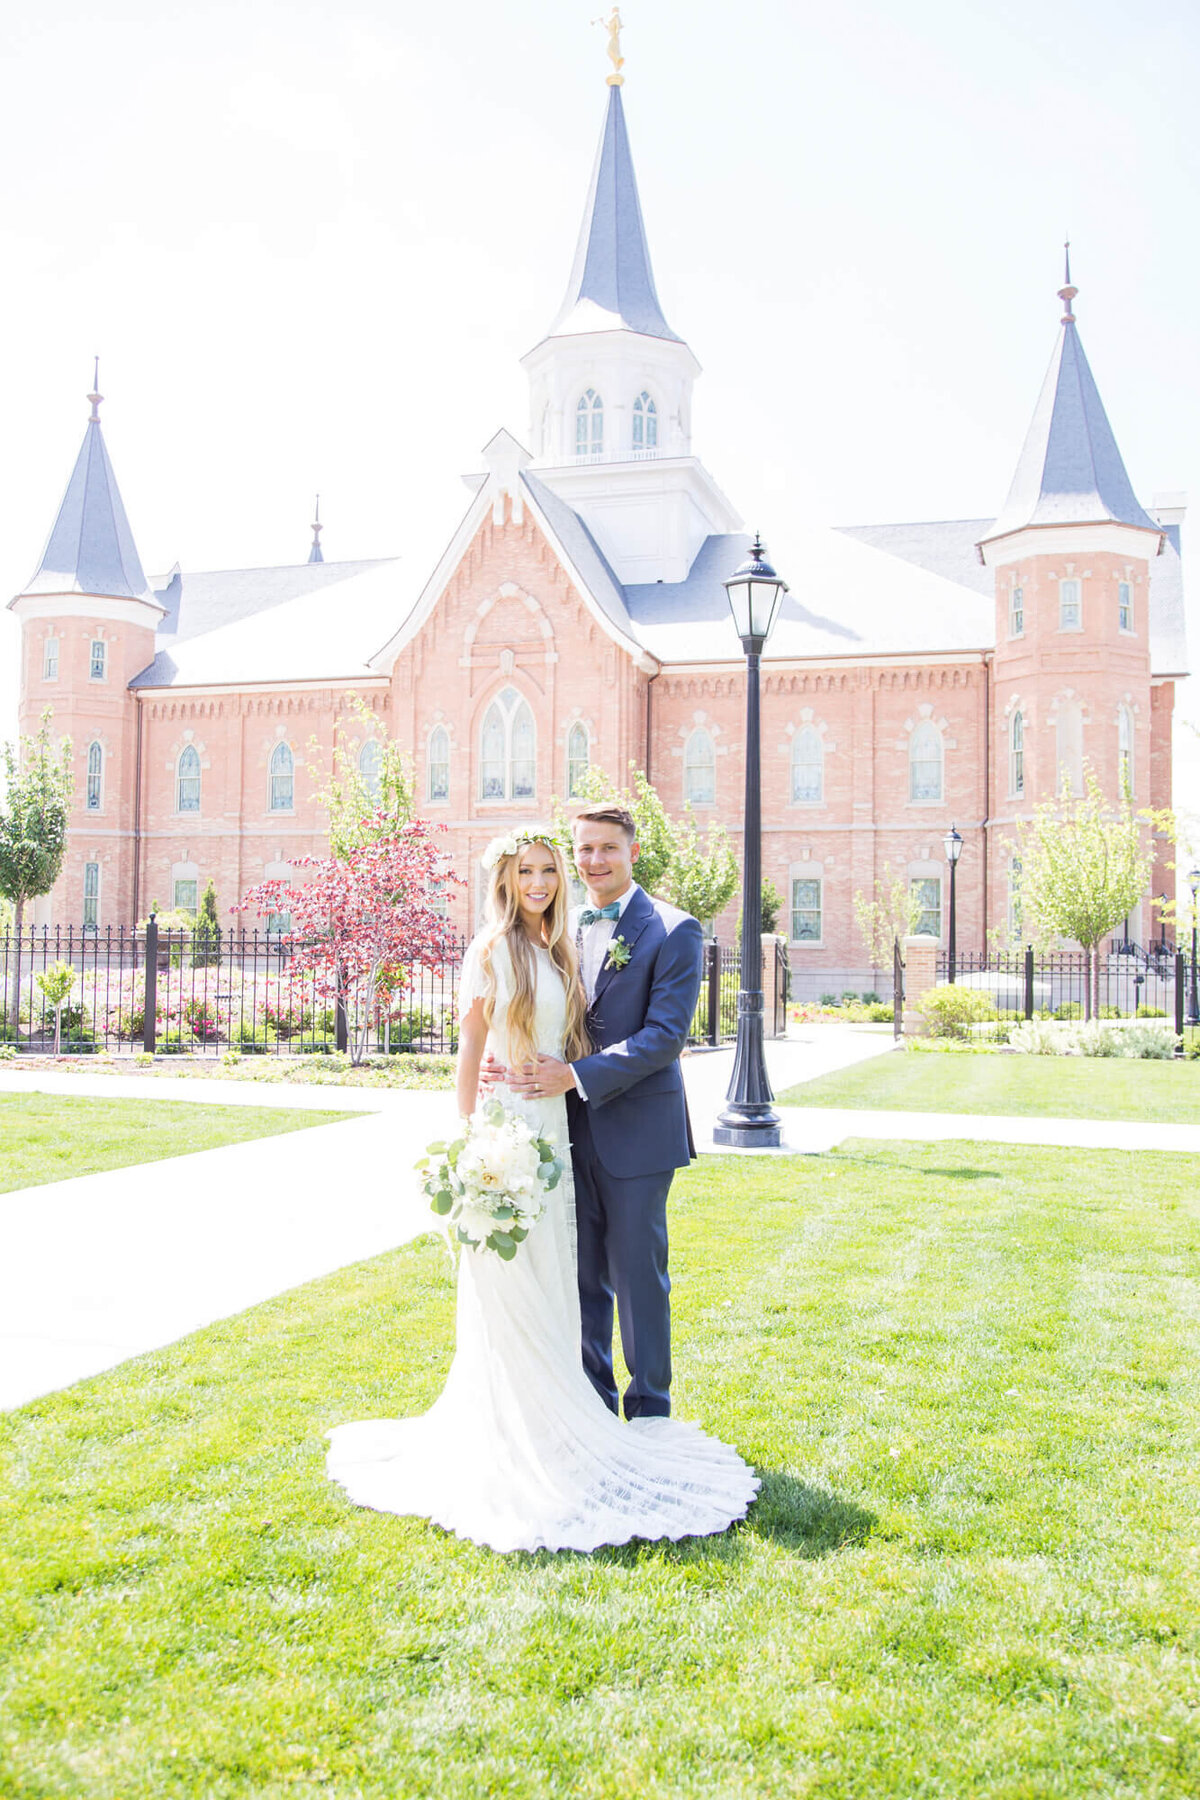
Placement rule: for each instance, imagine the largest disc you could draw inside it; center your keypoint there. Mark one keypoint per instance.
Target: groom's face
(604, 857)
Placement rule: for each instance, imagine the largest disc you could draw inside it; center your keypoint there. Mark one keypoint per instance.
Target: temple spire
(90, 549)
(1067, 293)
(612, 284)
(315, 554)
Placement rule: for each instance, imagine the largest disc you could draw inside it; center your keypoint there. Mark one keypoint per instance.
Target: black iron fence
(1126, 983)
(179, 991)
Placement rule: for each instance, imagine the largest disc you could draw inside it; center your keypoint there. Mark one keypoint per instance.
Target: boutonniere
(618, 954)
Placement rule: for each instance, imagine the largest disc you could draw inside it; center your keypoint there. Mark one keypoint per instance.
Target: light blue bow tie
(590, 914)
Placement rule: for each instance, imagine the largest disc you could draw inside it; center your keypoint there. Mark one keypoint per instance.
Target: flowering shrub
(1046, 1037)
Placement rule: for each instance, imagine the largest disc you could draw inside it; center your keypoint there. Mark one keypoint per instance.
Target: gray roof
(1070, 471)
(299, 622)
(612, 284)
(90, 549)
(583, 551)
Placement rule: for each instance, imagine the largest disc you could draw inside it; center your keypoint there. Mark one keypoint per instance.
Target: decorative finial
(1067, 293)
(96, 396)
(315, 554)
(613, 27)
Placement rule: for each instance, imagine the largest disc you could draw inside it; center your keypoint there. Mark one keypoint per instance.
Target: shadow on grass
(807, 1520)
(890, 1162)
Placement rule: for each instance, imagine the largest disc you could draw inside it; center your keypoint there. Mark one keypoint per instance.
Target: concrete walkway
(104, 1267)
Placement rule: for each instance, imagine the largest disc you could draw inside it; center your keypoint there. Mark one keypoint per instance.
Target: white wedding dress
(519, 1452)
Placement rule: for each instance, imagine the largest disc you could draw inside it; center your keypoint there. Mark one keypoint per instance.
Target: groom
(640, 960)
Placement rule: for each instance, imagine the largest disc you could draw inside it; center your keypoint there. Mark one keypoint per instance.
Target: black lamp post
(749, 1120)
(1193, 1017)
(954, 843)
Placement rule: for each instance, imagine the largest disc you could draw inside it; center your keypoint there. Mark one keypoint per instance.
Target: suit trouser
(622, 1222)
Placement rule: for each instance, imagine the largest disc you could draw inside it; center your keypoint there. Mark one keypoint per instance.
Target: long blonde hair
(503, 920)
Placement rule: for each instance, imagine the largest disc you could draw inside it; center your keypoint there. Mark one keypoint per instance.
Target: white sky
(310, 244)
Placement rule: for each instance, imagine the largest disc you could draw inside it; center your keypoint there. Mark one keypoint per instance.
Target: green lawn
(1056, 1087)
(968, 1374)
(44, 1137)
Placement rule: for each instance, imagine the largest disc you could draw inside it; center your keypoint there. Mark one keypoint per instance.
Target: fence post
(712, 951)
(921, 972)
(150, 997)
(1029, 981)
(1180, 982)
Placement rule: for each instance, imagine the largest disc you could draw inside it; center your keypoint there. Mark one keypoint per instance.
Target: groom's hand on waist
(492, 1072)
(545, 1079)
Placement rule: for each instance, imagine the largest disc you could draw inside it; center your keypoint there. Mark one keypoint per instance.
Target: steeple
(90, 549)
(612, 284)
(1070, 471)
(314, 554)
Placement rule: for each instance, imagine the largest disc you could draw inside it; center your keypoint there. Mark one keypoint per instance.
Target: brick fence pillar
(920, 974)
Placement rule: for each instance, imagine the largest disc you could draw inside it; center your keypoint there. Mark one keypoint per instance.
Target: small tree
(771, 905)
(56, 983)
(888, 912)
(1085, 864)
(674, 863)
(363, 920)
(206, 936)
(359, 812)
(34, 814)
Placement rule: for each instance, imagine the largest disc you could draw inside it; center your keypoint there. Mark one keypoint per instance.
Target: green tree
(888, 912)
(699, 875)
(34, 813)
(771, 905)
(361, 811)
(206, 937)
(56, 983)
(1085, 864)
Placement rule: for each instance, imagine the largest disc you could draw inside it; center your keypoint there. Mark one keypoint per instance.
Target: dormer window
(589, 425)
(645, 425)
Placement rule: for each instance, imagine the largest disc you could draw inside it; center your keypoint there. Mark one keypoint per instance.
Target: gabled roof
(612, 284)
(1070, 471)
(90, 549)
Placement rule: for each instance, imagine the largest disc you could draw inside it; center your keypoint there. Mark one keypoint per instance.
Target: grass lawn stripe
(1052, 1087)
(49, 1137)
(968, 1373)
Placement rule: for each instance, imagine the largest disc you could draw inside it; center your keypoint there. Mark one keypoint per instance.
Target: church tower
(610, 389)
(88, 619)
(1073, 552)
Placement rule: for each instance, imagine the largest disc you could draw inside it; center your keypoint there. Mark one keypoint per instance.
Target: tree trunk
(14, 1019)
(57, 1033)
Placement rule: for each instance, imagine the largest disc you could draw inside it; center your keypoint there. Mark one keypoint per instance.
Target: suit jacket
(639, 1020)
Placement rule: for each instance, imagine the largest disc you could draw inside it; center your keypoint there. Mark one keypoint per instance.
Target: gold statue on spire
(613, 27)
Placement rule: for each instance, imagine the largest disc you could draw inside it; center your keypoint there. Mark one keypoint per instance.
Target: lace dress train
(519, 1452)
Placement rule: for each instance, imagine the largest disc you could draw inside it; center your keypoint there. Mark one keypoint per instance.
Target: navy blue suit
(627, 1140)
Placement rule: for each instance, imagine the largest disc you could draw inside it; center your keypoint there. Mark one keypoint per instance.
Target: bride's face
(537, 882)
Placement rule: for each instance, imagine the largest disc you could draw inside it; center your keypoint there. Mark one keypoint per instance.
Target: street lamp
(749, 1120)
(1193, 1017)
(953, 842)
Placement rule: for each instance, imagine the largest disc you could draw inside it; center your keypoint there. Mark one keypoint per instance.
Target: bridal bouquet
(488, 1185)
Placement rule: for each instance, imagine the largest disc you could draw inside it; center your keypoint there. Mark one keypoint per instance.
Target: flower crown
(511, 842)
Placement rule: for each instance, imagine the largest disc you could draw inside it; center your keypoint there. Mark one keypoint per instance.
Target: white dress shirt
(596, 938)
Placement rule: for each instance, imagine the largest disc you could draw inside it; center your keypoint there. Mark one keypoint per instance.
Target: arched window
(370, 768)
(700, 769)
(808, 766)
(95, 774)
(508, 749)
(645, 423)
(283, 779)
(91, 896)
(437, 765)
(1016, 754)
(925, 762)
(578, 757)
(1068, 748)
(187, 780)
(589, 424)
(1125, 752)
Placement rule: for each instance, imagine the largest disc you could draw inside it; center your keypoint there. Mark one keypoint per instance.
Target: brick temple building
(919, 674)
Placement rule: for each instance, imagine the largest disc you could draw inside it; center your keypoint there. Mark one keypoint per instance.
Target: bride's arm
(472, 1035)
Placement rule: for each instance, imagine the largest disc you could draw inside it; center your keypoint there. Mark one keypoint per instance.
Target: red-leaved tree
(359, 923)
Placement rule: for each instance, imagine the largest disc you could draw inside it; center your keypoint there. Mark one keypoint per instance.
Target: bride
(519, 1452)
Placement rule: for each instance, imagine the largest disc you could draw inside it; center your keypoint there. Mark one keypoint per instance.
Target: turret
(88, 620)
